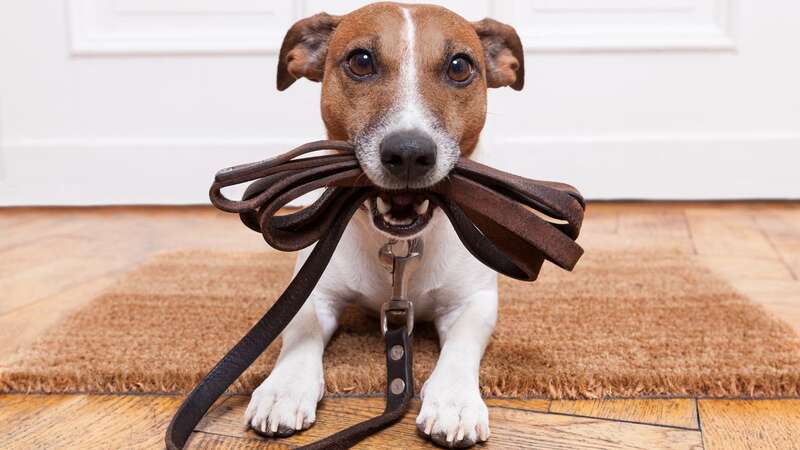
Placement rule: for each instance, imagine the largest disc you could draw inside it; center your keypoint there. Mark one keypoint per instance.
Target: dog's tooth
(387, 218)
(383, 207)
(422, 208)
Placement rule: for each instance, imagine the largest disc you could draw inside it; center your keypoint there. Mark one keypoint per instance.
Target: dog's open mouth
(401, 213)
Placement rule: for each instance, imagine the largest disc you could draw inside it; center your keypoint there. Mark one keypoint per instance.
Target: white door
(140, 101)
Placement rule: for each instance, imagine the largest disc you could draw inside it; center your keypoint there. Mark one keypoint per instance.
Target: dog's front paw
(453, 413)
(286, 401)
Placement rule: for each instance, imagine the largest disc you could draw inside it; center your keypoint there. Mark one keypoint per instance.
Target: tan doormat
(623, 324)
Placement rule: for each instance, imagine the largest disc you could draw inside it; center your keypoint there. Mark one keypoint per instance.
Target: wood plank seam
(699, 424)
(689, 231)
(597, 419)
(772, 244)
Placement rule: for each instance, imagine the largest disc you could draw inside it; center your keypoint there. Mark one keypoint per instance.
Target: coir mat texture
(624, 324)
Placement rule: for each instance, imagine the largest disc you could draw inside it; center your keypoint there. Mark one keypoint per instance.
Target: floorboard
(676, 413)
(750, 424)
(84, 421)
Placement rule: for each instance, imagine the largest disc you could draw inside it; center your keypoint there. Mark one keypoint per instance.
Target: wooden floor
(54, 260)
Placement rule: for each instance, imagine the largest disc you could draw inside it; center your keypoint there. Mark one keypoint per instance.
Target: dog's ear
(304, 49)
(505, 64)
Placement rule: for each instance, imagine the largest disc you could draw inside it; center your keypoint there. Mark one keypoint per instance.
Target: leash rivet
(398, 386)
(396, 352)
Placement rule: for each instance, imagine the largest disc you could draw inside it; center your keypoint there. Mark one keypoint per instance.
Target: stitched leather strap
(498, 217)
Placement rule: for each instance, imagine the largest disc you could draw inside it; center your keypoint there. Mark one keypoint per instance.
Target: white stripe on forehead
(409, 102)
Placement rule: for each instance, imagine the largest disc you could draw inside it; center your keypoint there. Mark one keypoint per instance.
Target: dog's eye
(460, 68)
(360, 63)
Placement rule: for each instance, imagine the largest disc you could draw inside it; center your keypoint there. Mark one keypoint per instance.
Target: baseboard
(159, 171)
(685, 167)
(122, 171)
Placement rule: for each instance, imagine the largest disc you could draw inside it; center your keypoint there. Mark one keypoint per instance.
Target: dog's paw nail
(464, 443)
(425, 426)
(429, 426)
(284, 431)
(440, 438)
(443, 440)
(483, 433)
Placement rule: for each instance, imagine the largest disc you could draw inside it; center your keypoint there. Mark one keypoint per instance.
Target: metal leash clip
(399, 309)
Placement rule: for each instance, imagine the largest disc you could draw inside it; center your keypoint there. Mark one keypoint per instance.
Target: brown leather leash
(510, 223)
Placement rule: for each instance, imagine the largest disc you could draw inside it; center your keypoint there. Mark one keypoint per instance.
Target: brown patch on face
(460, 109)
(350, 105)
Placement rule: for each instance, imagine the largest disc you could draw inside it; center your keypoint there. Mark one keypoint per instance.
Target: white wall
(141, 101)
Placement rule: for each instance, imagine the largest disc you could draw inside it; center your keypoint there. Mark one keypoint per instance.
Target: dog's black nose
(409, 154)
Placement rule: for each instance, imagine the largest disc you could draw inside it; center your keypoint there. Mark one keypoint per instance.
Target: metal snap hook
(400, 267)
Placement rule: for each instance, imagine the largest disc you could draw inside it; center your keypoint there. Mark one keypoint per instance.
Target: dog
(407, 84)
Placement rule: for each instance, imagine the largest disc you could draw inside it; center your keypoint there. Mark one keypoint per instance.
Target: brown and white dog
(407, 84)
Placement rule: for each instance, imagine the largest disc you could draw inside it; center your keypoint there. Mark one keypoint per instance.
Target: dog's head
(407, 85)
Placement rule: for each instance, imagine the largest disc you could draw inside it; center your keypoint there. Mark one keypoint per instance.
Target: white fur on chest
(447, 272)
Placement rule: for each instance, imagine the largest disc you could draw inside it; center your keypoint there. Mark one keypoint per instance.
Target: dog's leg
(287, 400)
(453, 413)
